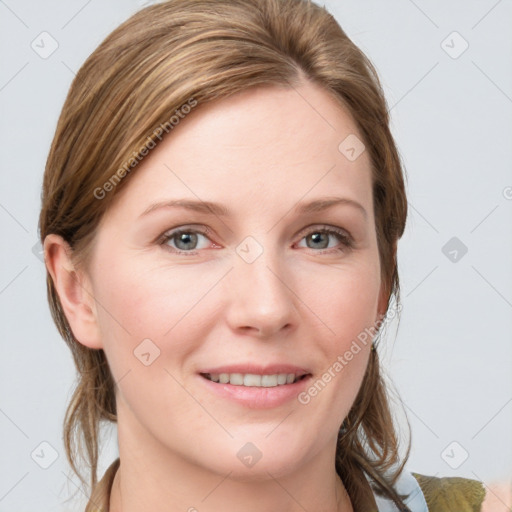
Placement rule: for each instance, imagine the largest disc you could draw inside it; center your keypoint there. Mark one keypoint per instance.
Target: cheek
(347, 304)
(149, 325)
(143, 301)
(170, 305)
(143, 312)
(344, 299)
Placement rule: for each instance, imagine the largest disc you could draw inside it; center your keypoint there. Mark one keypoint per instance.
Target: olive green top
(451, 493)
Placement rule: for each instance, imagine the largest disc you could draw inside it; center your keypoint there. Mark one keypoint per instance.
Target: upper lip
(271, 369)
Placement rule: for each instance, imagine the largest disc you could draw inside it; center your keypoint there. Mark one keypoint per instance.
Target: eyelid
(192, 228)
(324, 227)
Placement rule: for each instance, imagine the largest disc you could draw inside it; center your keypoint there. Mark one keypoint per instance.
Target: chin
(250, 457)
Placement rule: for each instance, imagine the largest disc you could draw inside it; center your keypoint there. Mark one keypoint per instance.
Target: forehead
(262, 147)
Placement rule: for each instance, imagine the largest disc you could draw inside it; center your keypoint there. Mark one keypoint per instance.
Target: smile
(253, 380)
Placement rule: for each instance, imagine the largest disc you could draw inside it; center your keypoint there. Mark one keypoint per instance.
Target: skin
(498, 497)
(301, 301)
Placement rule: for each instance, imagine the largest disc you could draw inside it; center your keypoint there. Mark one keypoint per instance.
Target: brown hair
(132, 84)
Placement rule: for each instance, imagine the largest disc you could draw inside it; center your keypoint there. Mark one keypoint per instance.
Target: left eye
(321, 237)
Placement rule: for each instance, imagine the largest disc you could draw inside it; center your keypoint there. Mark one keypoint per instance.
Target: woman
(221, 207)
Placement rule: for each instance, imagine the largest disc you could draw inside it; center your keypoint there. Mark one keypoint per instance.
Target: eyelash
(347, 242)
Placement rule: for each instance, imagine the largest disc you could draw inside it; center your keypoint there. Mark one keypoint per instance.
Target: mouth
(256, 386)
(253, 380)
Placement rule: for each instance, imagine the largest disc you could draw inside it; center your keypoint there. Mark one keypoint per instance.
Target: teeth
(282, 378)
(252, 380)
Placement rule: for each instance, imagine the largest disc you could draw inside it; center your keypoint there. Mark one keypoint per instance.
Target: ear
(74, 291)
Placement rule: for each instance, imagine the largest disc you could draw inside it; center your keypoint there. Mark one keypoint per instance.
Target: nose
(262, 302)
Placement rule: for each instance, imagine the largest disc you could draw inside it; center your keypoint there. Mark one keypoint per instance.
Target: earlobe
(383, 303)
(74, 291)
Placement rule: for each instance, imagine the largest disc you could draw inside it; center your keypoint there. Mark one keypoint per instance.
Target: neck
(158, 479)
(225, 495)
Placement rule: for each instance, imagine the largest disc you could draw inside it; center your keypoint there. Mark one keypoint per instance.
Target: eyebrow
(209, 208)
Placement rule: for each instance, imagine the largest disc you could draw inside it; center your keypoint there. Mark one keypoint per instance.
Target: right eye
(185, 240)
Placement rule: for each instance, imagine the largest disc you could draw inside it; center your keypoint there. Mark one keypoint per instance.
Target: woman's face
(260, 286)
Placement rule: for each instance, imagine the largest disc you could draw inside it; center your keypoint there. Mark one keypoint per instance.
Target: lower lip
(258, 397)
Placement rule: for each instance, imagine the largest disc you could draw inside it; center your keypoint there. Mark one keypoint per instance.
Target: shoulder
(451, 494)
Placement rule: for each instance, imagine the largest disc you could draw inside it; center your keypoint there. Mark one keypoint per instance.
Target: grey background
(452, 117)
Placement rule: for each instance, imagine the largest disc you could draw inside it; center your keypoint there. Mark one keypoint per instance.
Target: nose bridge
(260, 294)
